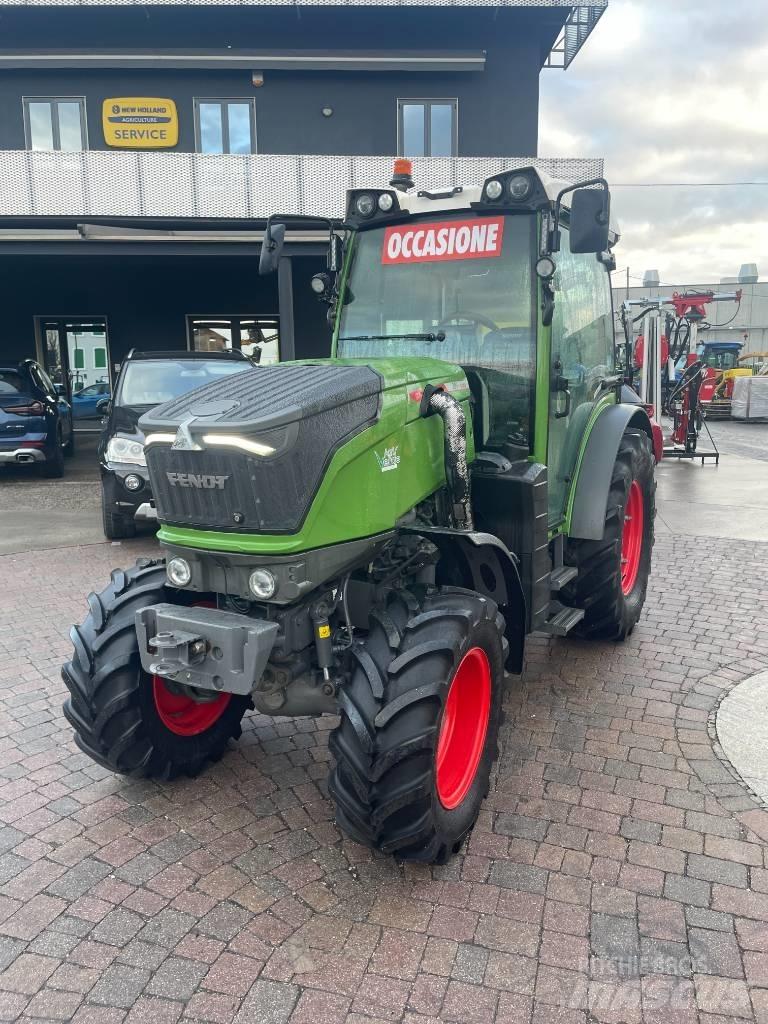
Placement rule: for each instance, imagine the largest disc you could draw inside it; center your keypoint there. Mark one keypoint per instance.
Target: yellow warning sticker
(323, 632)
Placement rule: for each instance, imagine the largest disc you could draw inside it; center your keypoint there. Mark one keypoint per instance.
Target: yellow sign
(140, 122)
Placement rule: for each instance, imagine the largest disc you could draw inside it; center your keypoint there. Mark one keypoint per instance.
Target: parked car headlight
(121, 449)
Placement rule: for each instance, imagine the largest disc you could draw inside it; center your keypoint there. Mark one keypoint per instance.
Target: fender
(590, 492)
(482, 562)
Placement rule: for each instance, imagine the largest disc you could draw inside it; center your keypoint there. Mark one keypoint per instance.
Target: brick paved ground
(618, 872)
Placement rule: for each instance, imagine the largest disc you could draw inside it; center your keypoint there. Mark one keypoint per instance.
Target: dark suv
(35, 421)
(146, 379)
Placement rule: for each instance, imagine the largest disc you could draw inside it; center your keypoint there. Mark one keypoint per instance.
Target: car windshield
(154, 381)
(459, 289)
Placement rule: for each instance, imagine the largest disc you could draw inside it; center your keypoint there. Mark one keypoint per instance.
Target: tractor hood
(247, 454)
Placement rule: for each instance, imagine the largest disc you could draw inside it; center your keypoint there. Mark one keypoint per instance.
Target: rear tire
(69, 447)
(112, 705)
(611, 597)
(410, 776)
(53, 467)
(116, 526)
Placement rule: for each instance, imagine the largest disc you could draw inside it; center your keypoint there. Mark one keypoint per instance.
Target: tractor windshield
(459, 289)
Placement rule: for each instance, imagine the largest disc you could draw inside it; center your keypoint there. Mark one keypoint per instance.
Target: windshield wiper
(440, 336)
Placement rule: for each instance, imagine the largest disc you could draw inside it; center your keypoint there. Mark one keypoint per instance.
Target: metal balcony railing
(97, 183)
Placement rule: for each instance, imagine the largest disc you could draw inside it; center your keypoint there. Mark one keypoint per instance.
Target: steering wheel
(478, 318)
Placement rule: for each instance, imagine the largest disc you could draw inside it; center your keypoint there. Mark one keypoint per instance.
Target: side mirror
(103, 407)
(590, 220)
(271, 248)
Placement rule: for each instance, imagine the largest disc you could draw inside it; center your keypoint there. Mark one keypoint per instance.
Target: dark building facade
(143, 146)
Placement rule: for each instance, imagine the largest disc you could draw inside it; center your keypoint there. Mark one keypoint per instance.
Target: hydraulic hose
(440, 403)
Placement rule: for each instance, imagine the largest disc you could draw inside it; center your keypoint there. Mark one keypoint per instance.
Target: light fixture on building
(257, 79)
(327, 111)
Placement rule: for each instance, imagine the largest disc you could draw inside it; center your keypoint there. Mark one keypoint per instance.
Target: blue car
(85, 403)
(35, 422)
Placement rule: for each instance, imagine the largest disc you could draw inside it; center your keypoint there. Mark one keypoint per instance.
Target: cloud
(673, 91)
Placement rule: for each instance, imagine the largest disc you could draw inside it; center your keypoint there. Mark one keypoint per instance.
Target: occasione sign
(478, 238)
(140, 122)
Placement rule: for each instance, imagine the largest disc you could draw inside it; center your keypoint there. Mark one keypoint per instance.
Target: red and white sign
(479, 238)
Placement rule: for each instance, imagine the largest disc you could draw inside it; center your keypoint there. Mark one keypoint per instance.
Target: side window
(582, 356)
(582, 328)
(46, 380)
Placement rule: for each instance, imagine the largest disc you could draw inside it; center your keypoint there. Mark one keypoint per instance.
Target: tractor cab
(720, 355)
(509, 280)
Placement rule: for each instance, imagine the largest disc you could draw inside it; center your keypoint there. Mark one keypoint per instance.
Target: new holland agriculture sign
(140, 122)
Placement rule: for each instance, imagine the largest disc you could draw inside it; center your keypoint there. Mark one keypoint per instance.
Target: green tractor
(373, 535)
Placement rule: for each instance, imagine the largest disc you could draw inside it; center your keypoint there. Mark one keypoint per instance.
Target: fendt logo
(200, 481)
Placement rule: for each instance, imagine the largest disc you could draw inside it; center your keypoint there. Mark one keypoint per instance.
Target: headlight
(178, 572)
(122, 449)
(519, 187)
(365, 205)
(493, 189)
(386, 202)
(262, 584)
(545, 268)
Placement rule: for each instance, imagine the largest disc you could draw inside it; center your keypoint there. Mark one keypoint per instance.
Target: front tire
(123, 718)
(419, 724)
(116, 526)
(613, 572)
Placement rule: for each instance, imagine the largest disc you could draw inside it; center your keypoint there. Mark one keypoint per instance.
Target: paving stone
(519, 876)
(268, 1002)
(615, 938)
(119, 986)
(177, 978)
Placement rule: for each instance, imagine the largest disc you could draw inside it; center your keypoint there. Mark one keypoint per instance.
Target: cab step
(563, 621)
(560, 577)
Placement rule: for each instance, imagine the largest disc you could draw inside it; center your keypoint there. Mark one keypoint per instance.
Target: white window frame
(222, 100)
(55, 100)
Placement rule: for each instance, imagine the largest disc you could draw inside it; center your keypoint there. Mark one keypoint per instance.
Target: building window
(427, 127)
(79, 361)
(225, 126)
(53, 123)
(99, 358)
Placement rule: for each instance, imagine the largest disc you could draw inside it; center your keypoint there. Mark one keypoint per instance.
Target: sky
(673, 91)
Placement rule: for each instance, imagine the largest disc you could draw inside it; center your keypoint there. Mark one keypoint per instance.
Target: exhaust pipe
(449, 410)
(25, 458)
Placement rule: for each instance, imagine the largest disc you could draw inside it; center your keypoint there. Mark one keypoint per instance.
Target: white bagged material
(750, 398)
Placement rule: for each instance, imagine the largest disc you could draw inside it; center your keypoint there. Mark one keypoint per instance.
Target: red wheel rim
(632, 537)
(182, 715)
(463, 728)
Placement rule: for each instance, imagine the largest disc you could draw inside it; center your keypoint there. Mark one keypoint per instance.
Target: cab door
(582, 355)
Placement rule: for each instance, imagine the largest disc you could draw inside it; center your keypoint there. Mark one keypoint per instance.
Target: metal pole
(657, 367)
